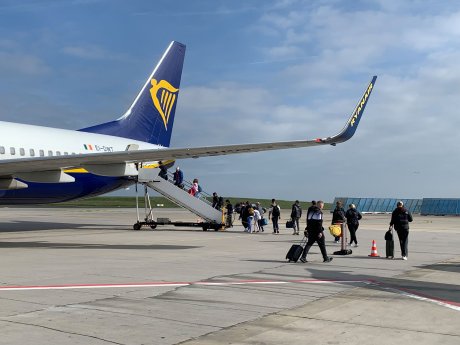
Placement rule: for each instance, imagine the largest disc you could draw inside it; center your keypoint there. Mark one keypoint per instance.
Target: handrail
(205, 197)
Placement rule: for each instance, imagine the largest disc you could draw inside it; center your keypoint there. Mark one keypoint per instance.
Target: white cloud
(12, 63)
(87, 52)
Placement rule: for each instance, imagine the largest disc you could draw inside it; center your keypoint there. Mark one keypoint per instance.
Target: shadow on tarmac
(51, 245)
(20, 226)
(433, 290)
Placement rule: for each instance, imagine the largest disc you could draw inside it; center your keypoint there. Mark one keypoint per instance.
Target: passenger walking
(296, 213)
(178, 178)
(163, 171)
(199, 191)
(315, 232)
(256, 220)
(338, 217)
(262, 219)
(310, 209)
(250, 217)
(220, 203)
(400, 219)
(353, 216)
(229, 217)
(197, 188)
(274, 214)
(244, 215)
(194, 189)
(215, 200)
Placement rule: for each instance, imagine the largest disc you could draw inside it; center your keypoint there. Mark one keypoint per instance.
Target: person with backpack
(400, 219)
(353, 216)
(338, 218)
(275, 214)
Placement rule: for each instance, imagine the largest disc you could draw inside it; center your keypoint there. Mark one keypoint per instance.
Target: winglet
(350, 127)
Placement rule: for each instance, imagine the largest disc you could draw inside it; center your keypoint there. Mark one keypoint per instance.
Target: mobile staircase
(201, 206)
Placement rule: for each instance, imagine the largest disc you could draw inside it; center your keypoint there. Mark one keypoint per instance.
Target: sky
(256, 71)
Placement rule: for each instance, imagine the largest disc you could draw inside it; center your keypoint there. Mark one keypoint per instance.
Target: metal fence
(379, 205)
(440, 207)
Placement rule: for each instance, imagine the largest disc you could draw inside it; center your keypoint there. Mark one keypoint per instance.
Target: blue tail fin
(151, 116)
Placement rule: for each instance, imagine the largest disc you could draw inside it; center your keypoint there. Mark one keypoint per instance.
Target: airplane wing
(23, 165)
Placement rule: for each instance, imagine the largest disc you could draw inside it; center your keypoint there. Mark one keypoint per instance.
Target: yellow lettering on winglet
(361, 104)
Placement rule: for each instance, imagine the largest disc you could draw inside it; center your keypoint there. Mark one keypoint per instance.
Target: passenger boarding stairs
(199, 206)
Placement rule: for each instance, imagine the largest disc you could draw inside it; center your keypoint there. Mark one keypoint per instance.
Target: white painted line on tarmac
(410, 294)
(170, 284)
(414, 295)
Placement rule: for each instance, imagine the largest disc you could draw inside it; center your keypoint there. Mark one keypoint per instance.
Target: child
(390, 245)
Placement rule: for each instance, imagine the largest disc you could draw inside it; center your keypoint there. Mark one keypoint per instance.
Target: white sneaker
(404, 257)
(356, 244)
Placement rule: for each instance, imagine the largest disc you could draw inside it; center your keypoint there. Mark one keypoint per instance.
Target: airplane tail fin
(150, 118)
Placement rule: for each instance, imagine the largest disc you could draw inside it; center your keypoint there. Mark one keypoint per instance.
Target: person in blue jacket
(178, 178)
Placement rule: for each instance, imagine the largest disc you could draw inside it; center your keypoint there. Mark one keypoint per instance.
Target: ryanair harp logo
(163, 96)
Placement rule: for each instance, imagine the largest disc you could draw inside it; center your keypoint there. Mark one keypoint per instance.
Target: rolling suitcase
(296, 250)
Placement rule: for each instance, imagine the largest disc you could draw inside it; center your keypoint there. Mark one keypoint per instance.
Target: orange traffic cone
(374, 253)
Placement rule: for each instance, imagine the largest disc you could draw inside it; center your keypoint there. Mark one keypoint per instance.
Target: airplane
(40, 165)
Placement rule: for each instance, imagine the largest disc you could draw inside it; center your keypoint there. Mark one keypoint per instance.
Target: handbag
(335, 230)
(289, 224)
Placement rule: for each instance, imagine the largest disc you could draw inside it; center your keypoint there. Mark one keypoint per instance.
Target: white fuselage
(24, 141)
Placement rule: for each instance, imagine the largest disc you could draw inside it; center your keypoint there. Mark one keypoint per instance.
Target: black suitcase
(294, 253)
(296, 250)
(390, 244)
(390, 249)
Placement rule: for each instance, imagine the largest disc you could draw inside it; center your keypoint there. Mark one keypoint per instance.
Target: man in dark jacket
(400, 219)
(315, 232)
(353, 216)
(274, 214)
(296, 213)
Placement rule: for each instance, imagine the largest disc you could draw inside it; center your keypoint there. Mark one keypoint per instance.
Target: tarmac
(83, 276)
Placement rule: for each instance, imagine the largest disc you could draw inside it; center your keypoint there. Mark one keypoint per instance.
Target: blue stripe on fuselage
(85, 185)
